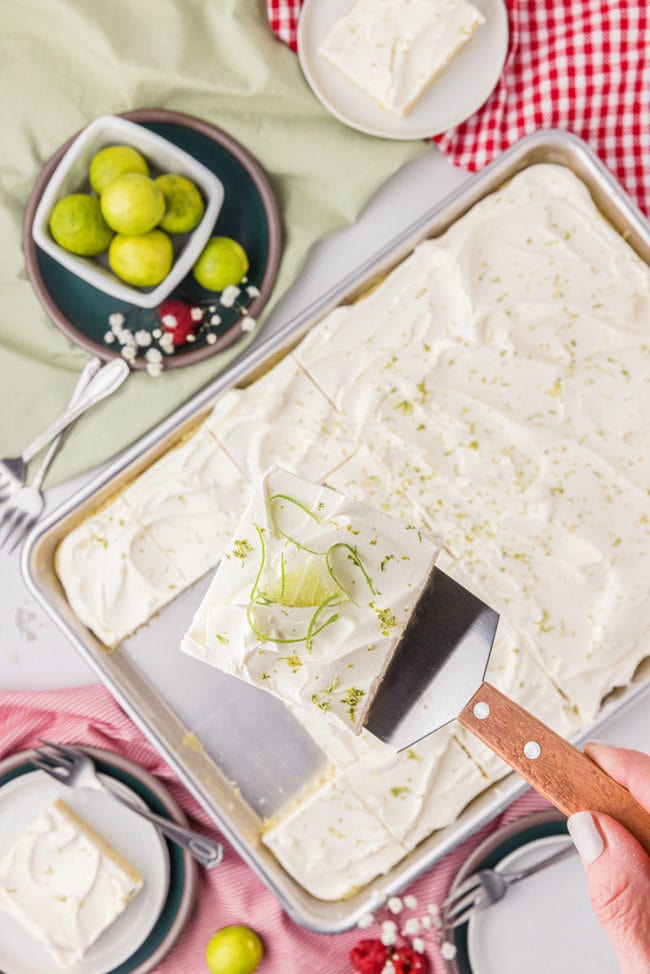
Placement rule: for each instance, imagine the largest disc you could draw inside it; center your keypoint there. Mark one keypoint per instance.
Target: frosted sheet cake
(494, 390)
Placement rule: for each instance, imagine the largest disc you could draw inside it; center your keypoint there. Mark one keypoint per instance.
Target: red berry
(405, 960)
(369, 956)
(183, 324)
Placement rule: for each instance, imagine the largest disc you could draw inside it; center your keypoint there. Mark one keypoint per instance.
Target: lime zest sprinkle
(323, 705)
(387, 620)
(398, 790)
(333, 685)
(351, 699)
(241, 548)
(293, 662)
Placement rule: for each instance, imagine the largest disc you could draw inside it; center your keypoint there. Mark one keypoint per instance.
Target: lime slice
(307, 585)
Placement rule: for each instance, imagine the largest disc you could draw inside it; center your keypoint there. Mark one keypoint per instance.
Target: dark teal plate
(182, 868)
(249, 214)
(489, 854)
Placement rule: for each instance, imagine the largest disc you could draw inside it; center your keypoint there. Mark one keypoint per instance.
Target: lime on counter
(77, 225)
(113, 161)
(132, 204)
(234, 950)
(143, 260)
(222, 262)
(184, 205)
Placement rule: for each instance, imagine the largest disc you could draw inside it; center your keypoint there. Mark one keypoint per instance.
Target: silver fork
(488, 886)
(72, 766)
(27, 504)
(106, 381)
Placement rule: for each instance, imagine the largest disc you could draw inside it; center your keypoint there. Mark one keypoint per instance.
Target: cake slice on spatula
(312, 596)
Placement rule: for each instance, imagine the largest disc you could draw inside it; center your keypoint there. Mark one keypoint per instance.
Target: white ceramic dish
(545, 923)
(21, 801)
(71, 176)
(464, 85)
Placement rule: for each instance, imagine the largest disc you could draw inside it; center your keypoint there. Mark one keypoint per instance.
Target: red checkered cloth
(580, 65)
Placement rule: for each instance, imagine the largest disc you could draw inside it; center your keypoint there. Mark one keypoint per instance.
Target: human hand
(618, 868)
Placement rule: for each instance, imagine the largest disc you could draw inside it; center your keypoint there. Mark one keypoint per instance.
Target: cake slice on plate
(394, 49)
(312, 596)
(64, 883)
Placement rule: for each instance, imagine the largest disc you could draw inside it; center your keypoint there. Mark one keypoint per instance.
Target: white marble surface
(35, 655)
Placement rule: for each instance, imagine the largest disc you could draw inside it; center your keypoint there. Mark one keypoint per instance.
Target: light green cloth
(66, 61)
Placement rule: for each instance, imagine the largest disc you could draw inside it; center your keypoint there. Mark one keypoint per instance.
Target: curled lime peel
(353, 556)
(304, 509)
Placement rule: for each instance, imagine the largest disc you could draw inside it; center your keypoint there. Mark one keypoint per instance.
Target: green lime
(308, 585)
(143, 260)
(77, 225)
(234, 950)
(184, 205)
(132, 204)
(113, 161)
(222, 262)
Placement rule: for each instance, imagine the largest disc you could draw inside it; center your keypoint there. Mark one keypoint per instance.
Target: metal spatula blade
(437, 674)
(439, 663)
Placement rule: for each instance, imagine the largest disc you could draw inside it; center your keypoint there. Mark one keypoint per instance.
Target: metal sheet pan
(209, 726)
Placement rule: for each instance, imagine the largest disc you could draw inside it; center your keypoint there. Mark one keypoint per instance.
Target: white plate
(545, 923)
(21, 801)
(464, 85)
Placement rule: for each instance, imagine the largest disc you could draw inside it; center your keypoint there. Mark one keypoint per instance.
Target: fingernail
(592, 740)
(586, 837)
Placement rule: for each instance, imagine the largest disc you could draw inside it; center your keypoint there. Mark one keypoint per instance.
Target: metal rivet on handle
(532, 750)
(481, 710)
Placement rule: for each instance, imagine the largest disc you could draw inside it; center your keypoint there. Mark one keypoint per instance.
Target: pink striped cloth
(232, 893)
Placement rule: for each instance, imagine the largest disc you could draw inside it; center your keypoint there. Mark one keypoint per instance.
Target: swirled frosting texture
(64, 884)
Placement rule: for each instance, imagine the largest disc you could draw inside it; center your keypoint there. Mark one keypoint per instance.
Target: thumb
(618, 868)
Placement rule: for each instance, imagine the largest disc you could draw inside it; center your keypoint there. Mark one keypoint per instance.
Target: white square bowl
(71, 176)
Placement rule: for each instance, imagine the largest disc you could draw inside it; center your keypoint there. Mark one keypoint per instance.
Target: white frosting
(114, 574)
(413, 792)
(364, 479)
(493, 389)
(419, 790)
(62, 885)
(332, 843)
(341, 746)
(503, 389)
(189, 502)
(393, 49)
(282, 419)
(370, 569)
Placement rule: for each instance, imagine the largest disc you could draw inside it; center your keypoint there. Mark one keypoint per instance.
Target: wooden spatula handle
(560, 772)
